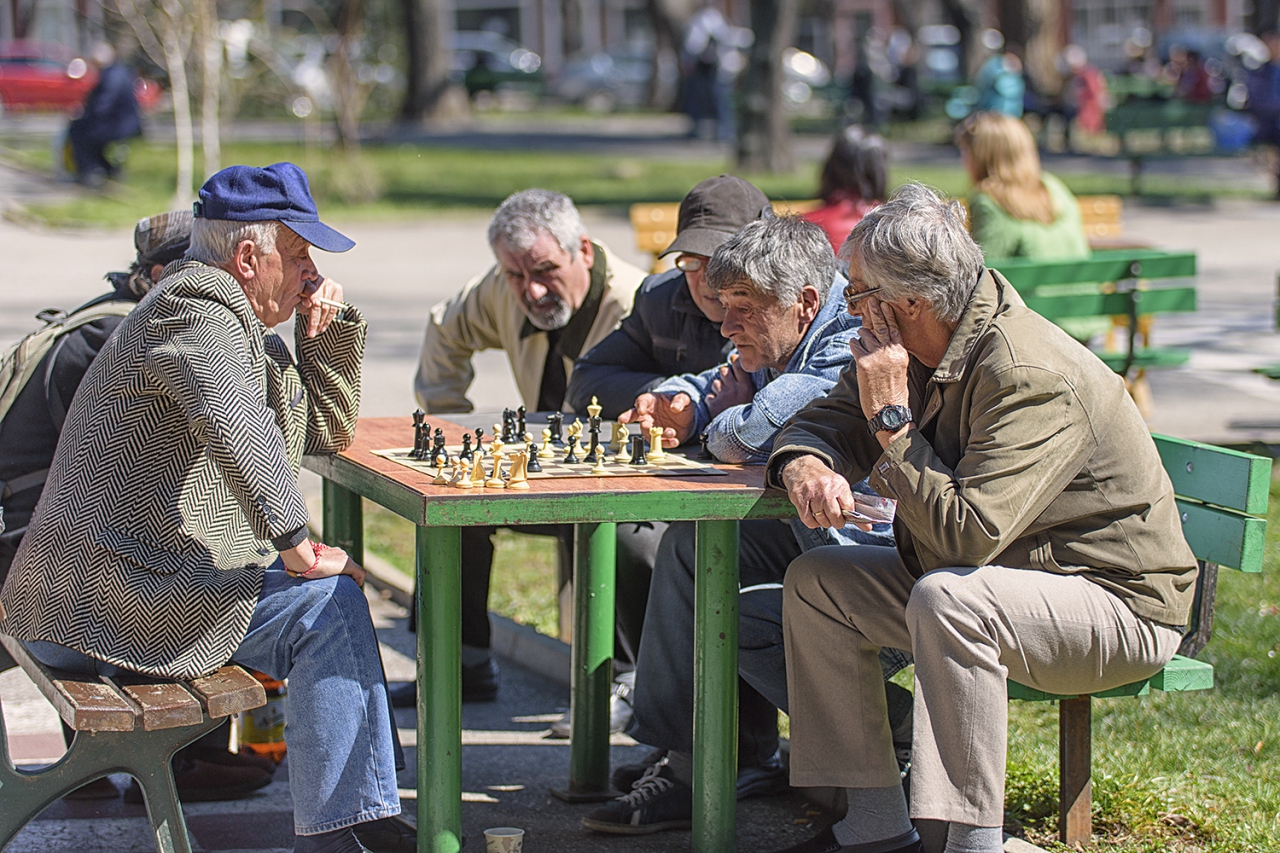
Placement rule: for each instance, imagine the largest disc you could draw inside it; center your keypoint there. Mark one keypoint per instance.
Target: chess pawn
(599, 468)
(534, 466)
(656, 452)
(495, 480)
(460, 471)
(519, 471)
(571, 458)
(546, 452)
(440, 478)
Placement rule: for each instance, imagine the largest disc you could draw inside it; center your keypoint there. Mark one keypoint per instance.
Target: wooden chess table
(594, 505)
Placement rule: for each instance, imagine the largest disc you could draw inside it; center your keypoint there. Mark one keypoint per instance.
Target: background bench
(655, 225)
(1159, 128)
(1222, 495)
(128, 724)
(1128, 285)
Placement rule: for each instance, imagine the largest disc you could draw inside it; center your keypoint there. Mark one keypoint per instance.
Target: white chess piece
(656, 452)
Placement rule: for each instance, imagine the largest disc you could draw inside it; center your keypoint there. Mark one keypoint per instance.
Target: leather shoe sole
(200, 781)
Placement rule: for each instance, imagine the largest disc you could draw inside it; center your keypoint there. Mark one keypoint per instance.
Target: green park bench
(125, 724)
(1159, 128)
(1132, 284)
(1222, 495)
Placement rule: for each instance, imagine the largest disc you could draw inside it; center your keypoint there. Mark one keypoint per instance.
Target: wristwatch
(891, 418)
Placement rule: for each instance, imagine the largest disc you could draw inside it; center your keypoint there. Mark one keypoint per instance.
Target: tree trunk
(175, 60)
(966, 16)
(346, 87)
(211, 87)
(1029, 30)
(764, 136)
(427, 90)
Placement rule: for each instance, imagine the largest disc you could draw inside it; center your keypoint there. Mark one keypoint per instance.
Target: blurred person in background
(999, 81)
(853, 181)
(1017, 209)
(710, 63)
(1084, 97)
(1264, 98)
(109, 114)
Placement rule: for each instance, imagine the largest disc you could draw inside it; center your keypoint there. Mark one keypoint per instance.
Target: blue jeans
(319, 635)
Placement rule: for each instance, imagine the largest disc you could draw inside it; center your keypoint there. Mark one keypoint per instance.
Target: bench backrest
(655, 224)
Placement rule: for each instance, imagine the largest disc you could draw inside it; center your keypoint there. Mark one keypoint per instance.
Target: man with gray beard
(553, 294)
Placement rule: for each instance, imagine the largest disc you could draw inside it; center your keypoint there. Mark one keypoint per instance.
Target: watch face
(892, 417)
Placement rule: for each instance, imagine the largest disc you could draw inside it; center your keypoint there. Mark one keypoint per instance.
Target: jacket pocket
(147, 555)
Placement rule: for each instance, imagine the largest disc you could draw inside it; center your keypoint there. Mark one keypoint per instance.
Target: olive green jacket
(1026, 452)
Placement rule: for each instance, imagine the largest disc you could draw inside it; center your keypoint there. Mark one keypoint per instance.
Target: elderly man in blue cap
(172, 535)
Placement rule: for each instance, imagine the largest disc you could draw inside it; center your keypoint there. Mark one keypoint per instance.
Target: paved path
(396, 272)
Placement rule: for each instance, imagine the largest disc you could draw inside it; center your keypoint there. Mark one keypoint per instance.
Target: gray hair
(916, 245)
(776, 256)
(518, 220)
(214, 241)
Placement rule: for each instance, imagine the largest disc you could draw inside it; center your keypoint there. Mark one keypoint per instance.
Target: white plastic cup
(504, 839)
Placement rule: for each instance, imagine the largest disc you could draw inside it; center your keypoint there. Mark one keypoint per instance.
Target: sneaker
(760, 780)
(619, 713)
(201, 781)
(657, 802)
(388, 835)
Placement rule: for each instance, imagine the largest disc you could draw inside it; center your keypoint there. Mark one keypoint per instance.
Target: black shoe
(761, 780)
(657, 802)
(202, 781)
(388, 835)
(825, 842)
(479, 684)
(625, 776)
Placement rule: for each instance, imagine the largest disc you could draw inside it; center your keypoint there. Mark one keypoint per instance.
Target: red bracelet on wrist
(317, 548)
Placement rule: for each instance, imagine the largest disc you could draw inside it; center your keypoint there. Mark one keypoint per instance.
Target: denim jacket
(745, 433)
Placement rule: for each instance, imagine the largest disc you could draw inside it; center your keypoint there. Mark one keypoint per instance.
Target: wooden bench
(126, 724)
(1127, 285)
(1159, 128)
(655, 225)
(1222, 495)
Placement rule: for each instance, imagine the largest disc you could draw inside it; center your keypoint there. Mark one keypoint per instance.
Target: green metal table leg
(343, 520)
(439, 590)
(593, 590)
(715, 697)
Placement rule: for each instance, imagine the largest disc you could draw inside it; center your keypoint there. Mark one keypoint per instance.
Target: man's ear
(244, 261)
(588, 252)
(912, 308)
(810, 303)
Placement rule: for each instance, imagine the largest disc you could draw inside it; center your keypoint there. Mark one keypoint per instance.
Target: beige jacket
(1027, 452)
(487, 315)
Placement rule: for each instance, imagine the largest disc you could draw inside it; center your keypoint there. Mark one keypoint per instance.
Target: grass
(1172, 772)
(401, 181)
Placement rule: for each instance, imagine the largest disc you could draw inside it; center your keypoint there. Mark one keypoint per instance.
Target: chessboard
(671, 465)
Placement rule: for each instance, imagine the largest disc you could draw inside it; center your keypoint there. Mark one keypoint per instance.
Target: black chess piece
(508, 426)
(571, 457)
(638, 456)
(437, 449)
(465, 452)
(555, 420)
(521, 426)
(479, 436)
(593, 449)
(419, 435)
(705, 454)
(534, 466)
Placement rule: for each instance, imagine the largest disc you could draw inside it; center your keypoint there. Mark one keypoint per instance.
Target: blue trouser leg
(663, 699)
(319, 635)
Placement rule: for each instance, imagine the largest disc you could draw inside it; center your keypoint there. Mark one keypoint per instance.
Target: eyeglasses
(851, 296)
(689, 263)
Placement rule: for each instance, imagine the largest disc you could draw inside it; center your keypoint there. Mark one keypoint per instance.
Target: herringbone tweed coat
(175, 474)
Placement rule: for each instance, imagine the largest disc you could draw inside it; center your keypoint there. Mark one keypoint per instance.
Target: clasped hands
(314, 562)
(674, 412)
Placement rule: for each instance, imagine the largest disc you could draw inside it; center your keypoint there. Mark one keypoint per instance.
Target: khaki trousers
(970, 629)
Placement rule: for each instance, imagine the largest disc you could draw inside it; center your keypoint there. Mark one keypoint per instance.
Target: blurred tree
(428, 92)
(1026, 29)
(764, 135)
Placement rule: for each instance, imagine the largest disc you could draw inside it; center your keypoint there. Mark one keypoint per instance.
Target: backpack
(19, 362)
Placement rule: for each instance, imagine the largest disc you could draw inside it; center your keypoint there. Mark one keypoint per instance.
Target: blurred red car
(43, 76)
(47, 76)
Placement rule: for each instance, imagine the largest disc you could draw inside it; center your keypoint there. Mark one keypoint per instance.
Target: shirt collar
(570, 338)
(990, 296)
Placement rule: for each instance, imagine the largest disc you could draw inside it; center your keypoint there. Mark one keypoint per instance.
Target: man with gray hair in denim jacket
(785, 313)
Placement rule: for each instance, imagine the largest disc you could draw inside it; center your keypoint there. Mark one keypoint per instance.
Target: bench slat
(87, 703)
(1220, 536)
(1183, 674)
(1105, 266)
(1215, 475)
(164, 704)
(1157, 300)
(228, 691)
(1145, 357)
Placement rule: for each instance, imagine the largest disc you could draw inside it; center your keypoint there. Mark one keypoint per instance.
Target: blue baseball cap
(277, 193)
